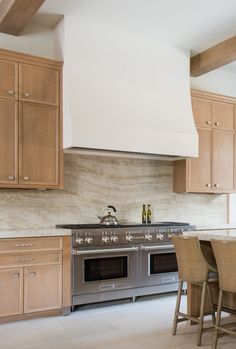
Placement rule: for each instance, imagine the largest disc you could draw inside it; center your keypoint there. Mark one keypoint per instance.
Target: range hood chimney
(130, 95)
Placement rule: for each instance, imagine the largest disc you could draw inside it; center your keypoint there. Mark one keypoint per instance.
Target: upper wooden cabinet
(39, 144)
(213, 171)
(8, 142)
(39, 84)
(8, 79)
(212, 113)
(30, 122)
(202, 112)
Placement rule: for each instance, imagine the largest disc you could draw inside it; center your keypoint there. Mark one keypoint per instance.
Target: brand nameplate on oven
(106, 287)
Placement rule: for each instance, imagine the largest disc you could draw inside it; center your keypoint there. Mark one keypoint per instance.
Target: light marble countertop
(22, 233)
(216, 226)
(208, 235)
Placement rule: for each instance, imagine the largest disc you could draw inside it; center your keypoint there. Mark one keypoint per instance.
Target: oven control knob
(129, 238)
(79, 241)
(89, 240)
(106, 239)
(160, 236)
(148, 237)
(114, 239)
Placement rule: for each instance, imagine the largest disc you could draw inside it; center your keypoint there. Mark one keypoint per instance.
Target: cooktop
(123, 225)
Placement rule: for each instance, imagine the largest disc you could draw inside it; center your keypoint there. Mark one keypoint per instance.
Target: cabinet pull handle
(26, 178)
(16, 275)
(11, 178)
(208, 122)
(208, 185)
(10, 92)
(217, 123)
(25, 260)
(25, 245)
(217, 185)
(27, 94)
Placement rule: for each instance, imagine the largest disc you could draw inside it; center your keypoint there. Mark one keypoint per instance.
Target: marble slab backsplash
(94, 182)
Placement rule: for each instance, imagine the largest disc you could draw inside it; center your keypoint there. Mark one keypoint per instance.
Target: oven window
(105, 268)
(163, 263)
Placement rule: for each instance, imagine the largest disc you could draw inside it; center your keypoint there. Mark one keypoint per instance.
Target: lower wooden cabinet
(11, 292)
(42, 288)
(36, 281)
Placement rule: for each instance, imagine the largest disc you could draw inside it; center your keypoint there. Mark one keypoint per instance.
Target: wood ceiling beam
(213, 58)
(14, 14)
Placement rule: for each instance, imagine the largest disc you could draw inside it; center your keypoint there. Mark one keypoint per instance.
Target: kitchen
(93, 179)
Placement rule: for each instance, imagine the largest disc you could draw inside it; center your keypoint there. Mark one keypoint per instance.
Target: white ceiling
(192, 24)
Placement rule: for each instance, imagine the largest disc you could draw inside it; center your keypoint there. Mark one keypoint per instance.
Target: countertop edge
(31, 233)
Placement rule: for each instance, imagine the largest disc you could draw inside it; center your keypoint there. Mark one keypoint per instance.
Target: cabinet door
(38, 84)
(202, 112)
(223, 115)
(11, 292)
(42, 288)
(38, 145)
(223, 160)
(8, 142)
(200, 168)
(8, 79)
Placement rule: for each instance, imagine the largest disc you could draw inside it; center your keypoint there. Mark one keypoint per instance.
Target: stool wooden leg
(218, 316)
(177, 307)
(202, 308)
(211, 303)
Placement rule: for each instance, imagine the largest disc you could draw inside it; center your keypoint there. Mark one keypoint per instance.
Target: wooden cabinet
(8, 142)
(213, 171)
(223, 160)
(199, 169)
(42, 288)
(33, 276)
(11, 292)
(39, 144)
(35, 158)
(8, 79)
(39, 84)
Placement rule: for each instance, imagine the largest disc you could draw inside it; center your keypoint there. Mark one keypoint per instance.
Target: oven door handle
(157, 247)
(107, 250)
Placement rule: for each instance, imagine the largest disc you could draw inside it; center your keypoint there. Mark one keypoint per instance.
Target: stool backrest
(225, 254)
(192, 266)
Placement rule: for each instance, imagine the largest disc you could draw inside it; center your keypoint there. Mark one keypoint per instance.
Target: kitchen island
(35, 270)
(194, 291)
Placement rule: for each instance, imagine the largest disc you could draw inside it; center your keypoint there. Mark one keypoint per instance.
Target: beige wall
(93, 182)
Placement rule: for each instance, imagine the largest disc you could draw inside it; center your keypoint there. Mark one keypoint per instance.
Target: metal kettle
(108, 219)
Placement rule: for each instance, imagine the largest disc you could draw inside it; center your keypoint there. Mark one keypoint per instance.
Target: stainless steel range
(114, 262)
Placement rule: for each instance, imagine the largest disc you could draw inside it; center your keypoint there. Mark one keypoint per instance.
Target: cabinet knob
(208, 122)
(11, 178)
(10, 92)
(27, 94)
(26, 178)
(16, 275)
(32, 273)
(217, 123)
(208, 185)
(217, 185)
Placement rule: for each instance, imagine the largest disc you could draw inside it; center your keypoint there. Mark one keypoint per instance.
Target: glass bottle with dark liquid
(144, 215)
(149, 214)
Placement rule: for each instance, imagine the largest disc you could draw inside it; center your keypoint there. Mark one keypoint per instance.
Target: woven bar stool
(193, 268)
(225, 254)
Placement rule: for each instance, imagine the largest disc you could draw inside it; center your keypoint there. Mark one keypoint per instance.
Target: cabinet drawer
(23, 259)
(30, 244)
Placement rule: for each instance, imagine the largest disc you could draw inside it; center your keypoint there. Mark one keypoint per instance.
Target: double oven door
(158, 265)
(97, 270)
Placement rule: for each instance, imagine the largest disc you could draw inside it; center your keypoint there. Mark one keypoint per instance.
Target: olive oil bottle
(149, 214)
(144, 215)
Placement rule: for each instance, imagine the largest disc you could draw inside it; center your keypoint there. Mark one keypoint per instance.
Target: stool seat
(225, 255)
(194, 269)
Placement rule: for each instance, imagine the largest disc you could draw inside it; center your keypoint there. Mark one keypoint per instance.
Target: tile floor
(145, 324)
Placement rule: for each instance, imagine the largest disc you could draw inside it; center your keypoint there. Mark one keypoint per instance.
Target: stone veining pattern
(92, 182)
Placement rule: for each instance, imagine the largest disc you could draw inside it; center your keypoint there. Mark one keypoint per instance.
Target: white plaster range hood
(125, 92)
